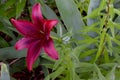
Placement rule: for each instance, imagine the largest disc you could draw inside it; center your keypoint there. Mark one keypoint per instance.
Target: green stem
(54, 38)
(103, 35)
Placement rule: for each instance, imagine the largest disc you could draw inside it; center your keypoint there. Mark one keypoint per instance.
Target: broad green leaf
(70, 15)
(10, 53)
(4, 72)
(19, 7)
(50, 14)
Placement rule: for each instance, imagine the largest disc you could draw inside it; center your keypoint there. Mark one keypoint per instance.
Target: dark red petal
(50, 50)
(24, 27)
(48, 25)
(37, 16)
(32, 54)
(23, 43)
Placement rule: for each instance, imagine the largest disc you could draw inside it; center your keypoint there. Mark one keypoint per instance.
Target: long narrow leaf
(20, 7)
(70, 14)
(4, 72)
(10, 53)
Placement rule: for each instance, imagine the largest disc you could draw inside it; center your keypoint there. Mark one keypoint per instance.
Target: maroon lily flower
(36, 36)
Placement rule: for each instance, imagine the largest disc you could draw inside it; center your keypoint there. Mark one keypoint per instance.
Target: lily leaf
(10, 53)
(4, 72)
(70, 15)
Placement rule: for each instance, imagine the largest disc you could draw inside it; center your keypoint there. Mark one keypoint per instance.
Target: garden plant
(59, 39)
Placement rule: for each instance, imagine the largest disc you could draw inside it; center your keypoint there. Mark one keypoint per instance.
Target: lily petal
(32, 54)
(37, 16)
(26, 28)
(50, 50)
(23, 43)
(48, 25)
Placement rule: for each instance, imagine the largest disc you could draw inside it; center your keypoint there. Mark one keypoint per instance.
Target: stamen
(42, 32)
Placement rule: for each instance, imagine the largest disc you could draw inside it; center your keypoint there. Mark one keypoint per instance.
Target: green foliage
(87, 38)
(4, 72)
(20, 6)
